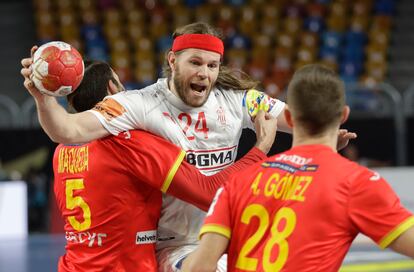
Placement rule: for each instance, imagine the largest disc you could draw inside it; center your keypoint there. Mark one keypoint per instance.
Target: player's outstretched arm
(59, 125)
(205, 257)
(193, 187)
(404, 244)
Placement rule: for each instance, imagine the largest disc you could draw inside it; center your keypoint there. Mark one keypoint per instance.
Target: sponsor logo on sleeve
(146, 237)
(375, 176)
(110, 108)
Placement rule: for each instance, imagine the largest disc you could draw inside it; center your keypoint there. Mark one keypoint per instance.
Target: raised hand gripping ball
(57, 68)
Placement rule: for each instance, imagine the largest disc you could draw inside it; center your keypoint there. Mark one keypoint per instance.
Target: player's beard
(184, 91)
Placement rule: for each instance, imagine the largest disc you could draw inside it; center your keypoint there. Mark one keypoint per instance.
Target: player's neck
(171, 86)
(330, 138)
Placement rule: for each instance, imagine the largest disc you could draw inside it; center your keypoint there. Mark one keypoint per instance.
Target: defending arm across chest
(191, 186)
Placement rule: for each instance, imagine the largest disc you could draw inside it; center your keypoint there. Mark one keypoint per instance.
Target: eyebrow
(200, 58)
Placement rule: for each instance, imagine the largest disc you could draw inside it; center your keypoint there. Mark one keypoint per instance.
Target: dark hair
(316, 97)
(228, 78)
(94, 86)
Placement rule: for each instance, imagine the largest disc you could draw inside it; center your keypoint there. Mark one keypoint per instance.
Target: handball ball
(57, 68)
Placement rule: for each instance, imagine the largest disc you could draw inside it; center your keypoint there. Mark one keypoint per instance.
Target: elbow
(67, 136)
(59, 139)
(56, 139)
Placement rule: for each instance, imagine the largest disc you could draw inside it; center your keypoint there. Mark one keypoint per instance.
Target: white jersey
(209, 134)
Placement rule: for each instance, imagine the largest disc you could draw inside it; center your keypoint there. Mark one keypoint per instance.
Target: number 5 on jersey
(72, 202)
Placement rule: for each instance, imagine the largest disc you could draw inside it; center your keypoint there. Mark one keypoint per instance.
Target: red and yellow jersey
(209, 134)
(103, 191)
(300, 211)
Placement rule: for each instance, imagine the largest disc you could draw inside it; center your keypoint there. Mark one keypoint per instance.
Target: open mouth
(199, 88)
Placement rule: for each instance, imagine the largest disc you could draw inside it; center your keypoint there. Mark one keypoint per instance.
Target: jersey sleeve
(151, 159)
(218, 218)
(253, 101)
(376, 210)
(121, 112)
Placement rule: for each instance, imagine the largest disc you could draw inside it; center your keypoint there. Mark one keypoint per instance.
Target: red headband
(200, 41)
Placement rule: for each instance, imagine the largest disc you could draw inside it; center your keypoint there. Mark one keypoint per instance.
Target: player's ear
(288, 116)
(171, 58)
(112, 88)
(345, 114)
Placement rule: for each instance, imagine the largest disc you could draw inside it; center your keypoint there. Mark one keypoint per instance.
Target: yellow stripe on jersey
(167, 182)
(397, 231)
(225, 231)
(391, 266)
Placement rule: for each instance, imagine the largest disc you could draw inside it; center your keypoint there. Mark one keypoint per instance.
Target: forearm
(52, 118)
(192, 186)
(196, 262)
(253, 156)
(404, 244)
(204, 259)
(63, 127)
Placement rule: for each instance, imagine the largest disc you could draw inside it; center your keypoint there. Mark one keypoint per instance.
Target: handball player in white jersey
(201, 106)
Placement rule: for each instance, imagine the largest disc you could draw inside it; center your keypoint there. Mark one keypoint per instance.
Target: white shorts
(170, 259)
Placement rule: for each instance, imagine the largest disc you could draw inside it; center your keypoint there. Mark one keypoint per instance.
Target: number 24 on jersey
(187, 123)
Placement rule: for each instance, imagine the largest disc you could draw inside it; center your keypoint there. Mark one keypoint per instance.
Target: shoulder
(355, 173)
(139, 139)
(57, 150)
(231, 97)
(363, 174)
(230, 93)
(132, 97)
(74, 146)
(158, 86)
(348, 168)
(146, 91)
(351, 173)
(144, 136)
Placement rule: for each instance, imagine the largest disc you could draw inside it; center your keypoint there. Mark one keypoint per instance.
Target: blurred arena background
(368, 42)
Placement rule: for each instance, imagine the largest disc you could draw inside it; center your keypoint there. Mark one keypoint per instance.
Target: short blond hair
(316, 98)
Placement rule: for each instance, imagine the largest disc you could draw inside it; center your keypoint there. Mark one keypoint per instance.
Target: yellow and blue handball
(254, 101)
